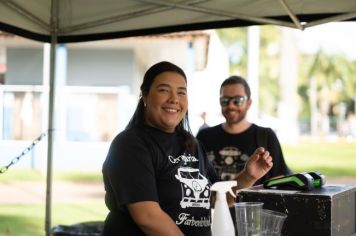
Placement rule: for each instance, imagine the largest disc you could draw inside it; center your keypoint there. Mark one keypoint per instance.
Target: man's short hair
(234, 79)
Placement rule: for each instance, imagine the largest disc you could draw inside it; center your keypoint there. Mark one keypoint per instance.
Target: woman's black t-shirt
(146, 164)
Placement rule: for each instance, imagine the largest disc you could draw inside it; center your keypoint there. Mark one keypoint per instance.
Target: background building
(97, 87)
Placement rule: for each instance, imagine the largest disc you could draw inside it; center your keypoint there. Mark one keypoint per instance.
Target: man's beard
(237, 119)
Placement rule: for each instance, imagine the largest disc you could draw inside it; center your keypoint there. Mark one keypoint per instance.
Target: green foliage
(304, 111)
(269, 61)
(235, 42)
(334, 73)
(230, 36)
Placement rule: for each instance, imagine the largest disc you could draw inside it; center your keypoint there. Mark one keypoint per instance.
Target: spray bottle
(222, 221)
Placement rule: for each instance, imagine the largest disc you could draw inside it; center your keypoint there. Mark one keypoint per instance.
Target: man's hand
(259, 163)
(256, 167)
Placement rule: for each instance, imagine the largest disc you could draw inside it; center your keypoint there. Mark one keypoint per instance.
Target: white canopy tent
(85, 20)
(64, 21)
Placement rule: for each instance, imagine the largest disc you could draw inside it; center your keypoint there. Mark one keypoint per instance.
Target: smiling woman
(157, 177)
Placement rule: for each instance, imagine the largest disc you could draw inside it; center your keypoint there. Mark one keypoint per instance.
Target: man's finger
(258, 152)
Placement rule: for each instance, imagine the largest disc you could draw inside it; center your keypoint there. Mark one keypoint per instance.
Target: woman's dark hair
(183, 127)
(234, 79)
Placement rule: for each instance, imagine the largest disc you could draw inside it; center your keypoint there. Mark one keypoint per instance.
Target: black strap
(262, 134)
(202, 164)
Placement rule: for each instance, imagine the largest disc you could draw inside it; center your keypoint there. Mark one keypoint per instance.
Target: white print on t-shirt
(185, 219)
(182, 158)
(231, 161)
(195, 188)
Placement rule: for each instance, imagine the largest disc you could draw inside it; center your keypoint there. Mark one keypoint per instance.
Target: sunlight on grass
(78, 175)
(330, 158)
(28, 220)
(22, 220)
(19, 174)
(74, 213)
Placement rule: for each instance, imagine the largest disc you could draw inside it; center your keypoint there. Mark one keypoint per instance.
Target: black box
(329, 210)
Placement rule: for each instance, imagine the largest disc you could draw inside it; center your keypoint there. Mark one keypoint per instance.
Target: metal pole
(253, 69)
(54, 19)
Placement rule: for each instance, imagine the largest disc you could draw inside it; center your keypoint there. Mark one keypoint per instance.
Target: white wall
(205, 86)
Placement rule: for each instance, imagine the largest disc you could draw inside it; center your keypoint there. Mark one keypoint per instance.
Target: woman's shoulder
(129, 134)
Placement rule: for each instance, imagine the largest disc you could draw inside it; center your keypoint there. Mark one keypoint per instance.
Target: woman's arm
(152, 220)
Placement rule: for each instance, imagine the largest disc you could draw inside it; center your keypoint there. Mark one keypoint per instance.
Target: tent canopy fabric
(87, 20)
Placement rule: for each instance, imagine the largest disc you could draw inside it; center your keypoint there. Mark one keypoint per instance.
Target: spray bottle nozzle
(224, 186)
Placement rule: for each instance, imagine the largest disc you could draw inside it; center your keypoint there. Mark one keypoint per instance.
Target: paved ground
(35, 192)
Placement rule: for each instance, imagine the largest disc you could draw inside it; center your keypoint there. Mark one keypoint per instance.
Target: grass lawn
(14, 174)
(29, 220)
(330, 158)
(334, 159)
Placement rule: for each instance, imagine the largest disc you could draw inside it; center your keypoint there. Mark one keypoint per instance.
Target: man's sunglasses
(237, 101)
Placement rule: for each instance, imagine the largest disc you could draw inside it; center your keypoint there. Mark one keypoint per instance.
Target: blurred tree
(235, 41)
(325, 81)
(326, 85)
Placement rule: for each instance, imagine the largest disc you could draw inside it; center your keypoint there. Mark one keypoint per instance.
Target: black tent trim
(155, 30)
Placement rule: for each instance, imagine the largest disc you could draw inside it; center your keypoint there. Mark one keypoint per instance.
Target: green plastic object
(300, 181)
(319, 179)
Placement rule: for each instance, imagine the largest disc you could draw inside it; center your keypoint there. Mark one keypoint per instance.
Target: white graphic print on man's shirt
(229, 163)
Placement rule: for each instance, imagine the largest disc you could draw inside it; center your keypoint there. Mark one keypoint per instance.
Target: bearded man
(230, 144)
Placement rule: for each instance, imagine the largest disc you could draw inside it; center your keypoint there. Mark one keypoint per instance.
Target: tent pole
(53, 26)
(50, 142)
(292, 15)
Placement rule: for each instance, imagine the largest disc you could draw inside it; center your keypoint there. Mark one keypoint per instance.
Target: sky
(331, 37)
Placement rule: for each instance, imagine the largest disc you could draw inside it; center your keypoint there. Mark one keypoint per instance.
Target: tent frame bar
(113, 19)
(292, 15)
(341, 17)
(219, 13)
(163, 5)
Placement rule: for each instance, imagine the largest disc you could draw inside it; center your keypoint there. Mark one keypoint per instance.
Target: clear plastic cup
(248, 218)
(272, 222)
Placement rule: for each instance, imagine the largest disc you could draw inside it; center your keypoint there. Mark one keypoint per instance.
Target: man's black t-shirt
(229, 152)
(146, 164)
